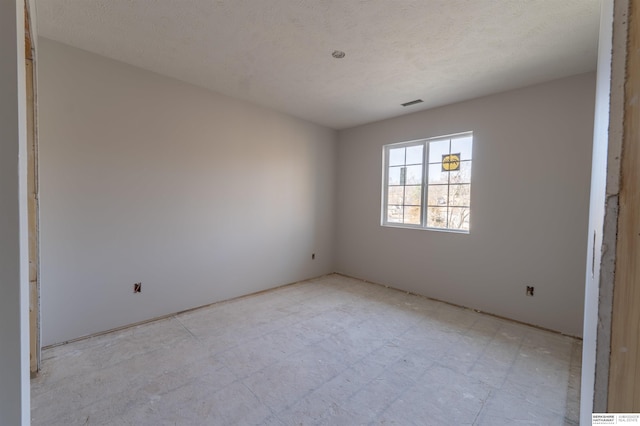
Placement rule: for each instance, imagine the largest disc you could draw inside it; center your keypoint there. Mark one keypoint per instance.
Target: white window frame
(424, 183)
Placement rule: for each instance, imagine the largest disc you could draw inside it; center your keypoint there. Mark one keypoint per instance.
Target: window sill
(421, 228)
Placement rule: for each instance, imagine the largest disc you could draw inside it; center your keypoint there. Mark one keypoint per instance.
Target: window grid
(452, 210)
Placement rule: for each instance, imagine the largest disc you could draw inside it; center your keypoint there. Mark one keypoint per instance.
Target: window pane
(394, 175)
(414, 154)
(437, 195)
(463, 175)
(425, 195)
(414, 175)
(394, 214)
(396, 156)
(459, 218)
(437, 217)
(413, 195)
(412, 215)
(459, 195)
(437, 150)
(463, 146)
(395, 195)
(436, 175)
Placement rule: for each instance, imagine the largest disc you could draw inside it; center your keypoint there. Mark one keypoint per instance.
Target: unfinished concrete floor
(332, 351)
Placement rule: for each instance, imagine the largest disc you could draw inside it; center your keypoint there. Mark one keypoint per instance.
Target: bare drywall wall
(529, 206)
(14, 268)
(603, 209)
(146, 179)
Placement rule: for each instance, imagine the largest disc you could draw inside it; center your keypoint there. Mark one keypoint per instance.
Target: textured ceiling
(277, 53)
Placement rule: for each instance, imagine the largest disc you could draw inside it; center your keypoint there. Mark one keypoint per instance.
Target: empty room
(314, 212)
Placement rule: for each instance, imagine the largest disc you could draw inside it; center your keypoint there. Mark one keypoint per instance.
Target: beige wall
(203, 198)
(143, 178)
(529, 206)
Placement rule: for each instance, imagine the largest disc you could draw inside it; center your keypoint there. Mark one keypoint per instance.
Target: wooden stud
(624, 370)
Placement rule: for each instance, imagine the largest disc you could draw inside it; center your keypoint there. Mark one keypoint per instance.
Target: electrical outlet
(529, 290)
(137, 287)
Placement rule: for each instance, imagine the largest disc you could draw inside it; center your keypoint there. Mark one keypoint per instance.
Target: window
(427, 183)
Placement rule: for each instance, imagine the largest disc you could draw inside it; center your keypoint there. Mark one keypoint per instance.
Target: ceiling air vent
(417, 101)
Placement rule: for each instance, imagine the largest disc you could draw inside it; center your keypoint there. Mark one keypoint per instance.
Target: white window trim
(424, 193)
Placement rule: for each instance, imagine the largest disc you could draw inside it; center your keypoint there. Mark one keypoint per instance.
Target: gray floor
(333, 351)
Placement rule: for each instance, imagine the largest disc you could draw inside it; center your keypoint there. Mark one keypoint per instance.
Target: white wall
(14, 276)
(596, 212)
(145, 178)
(529, 206)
